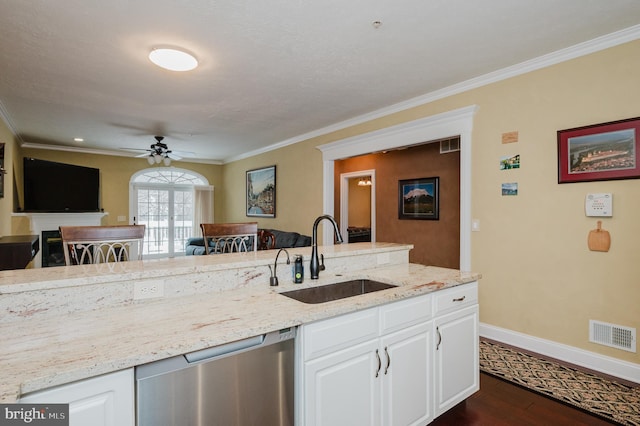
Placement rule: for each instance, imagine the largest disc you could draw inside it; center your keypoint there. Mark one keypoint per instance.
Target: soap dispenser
(298, 269)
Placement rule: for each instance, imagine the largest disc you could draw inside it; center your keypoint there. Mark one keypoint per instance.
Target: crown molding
(104, 152)
(4, 116)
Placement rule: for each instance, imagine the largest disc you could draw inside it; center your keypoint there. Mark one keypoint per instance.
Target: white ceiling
(270, 71)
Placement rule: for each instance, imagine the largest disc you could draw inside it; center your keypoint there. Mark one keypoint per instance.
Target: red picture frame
(605, 151)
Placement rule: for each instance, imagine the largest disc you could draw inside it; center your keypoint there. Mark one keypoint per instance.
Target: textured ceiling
(269, 72)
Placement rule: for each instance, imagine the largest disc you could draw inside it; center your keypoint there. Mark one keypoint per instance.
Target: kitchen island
(61, 325)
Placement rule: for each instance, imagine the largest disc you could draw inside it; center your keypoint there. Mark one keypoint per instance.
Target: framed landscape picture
(261, 192)
(418, 199)
(604, 151)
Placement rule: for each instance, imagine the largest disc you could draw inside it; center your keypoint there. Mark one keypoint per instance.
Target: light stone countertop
(42, 351)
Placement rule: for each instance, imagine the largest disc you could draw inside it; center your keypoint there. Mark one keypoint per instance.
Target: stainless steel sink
(341, 290)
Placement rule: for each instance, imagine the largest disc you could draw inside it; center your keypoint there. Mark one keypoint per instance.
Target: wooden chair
(266, 240)
(101, 244)
(230, 237)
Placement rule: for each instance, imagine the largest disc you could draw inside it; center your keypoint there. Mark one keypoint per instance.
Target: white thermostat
(599, 204)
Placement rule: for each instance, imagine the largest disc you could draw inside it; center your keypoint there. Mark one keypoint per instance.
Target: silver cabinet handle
(379, 363)
(439, 338)
(388, 360)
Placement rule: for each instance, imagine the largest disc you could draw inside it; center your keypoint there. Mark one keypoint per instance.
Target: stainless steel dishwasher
(248, 382)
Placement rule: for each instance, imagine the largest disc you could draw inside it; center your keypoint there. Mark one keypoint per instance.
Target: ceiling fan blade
(134, 149)
(146, 154)
(184, 153)
(173, 156)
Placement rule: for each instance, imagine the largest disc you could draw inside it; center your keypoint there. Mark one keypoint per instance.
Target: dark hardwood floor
(500, 403)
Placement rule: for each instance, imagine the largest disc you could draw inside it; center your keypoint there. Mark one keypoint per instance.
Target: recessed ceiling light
(173, 59)
(78, 140)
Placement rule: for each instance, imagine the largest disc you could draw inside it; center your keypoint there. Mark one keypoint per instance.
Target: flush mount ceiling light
(173, 59)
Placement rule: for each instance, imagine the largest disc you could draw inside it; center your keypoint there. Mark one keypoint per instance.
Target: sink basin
(342, 290)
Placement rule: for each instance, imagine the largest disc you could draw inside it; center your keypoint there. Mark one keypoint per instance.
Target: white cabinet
(341, 389)
(404, 363)
(456, 346)
(106, 400)
(407, 381)
(369, 368)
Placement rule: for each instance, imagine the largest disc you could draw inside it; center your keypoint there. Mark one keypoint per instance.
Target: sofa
(284, 239)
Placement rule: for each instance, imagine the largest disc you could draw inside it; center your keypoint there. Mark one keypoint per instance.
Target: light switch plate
(599, 205)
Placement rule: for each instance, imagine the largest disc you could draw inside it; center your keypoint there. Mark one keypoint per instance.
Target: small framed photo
(419, 199)
(510, 188)
(604, 151)
(261, 192)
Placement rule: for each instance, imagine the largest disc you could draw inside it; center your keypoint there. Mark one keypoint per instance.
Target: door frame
(344, 201)
(458, 122)
(171, 190)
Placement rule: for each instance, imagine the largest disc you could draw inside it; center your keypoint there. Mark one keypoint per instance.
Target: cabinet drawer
(400, 315)
(455, 298)
(323, 337)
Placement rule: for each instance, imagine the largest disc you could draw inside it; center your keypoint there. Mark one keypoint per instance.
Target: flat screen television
(51, 187)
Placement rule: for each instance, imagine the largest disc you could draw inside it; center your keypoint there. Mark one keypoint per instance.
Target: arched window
(171, 202)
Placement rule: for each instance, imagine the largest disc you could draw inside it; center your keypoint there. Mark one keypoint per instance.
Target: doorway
(364, 198)
(435, 127)
(163, 199)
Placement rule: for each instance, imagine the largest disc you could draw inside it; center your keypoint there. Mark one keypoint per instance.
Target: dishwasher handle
(224, 349)
(179, 362)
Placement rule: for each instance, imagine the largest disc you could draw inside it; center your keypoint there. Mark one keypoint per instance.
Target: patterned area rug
(608, 399)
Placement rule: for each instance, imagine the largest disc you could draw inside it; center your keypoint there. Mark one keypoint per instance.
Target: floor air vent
(612, 335)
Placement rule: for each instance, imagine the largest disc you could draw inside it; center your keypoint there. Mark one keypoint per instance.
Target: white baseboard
(604, 364)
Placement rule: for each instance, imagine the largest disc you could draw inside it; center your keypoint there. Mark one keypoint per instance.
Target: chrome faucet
(314, 265)
(273, 281)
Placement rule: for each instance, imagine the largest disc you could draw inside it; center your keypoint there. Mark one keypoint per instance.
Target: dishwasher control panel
(287, 333)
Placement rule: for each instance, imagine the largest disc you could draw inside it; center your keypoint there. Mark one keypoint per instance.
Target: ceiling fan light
(173, 59)
(167, 161)
(157, 158)
(151, 160)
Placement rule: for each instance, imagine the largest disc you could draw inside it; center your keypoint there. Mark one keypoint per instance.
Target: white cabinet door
(342, 388)
(407, 376)
(100, 401)
(385, 380)
(456, 357)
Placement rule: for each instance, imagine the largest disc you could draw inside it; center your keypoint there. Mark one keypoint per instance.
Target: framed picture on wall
(261, 192)
(604, 151)
(419, 199)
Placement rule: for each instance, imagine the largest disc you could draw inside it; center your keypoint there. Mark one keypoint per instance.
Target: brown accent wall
(436, 242)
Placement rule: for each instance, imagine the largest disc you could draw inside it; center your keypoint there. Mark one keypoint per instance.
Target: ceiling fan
(159, 152)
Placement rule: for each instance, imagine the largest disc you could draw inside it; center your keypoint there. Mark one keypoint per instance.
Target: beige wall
(6, 203)
(298, 188)
(115, 174)
(539, 278)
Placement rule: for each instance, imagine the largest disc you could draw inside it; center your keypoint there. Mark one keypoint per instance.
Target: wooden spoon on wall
(599, 239)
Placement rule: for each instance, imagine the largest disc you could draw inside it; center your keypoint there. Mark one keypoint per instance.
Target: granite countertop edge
(43, 353)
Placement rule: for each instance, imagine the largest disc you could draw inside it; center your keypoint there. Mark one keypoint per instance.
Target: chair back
(101, 244)
(266, 240)
(230, 237)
